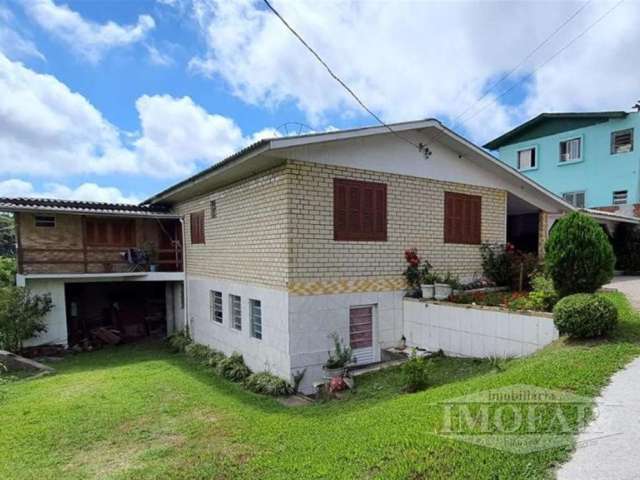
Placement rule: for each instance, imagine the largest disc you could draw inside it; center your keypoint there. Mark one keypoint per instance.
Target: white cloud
(159, 58)
(12, 42)
(178, 135)
(89, 39)
(49, 131)
(15, 187)
(410, 60)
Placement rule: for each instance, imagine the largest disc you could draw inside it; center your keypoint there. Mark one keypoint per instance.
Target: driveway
(610, 447)
(630, 286)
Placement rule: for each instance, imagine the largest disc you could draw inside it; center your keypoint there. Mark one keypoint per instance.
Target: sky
(114, 100)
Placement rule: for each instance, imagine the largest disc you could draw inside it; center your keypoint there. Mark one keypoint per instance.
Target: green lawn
(139, 412)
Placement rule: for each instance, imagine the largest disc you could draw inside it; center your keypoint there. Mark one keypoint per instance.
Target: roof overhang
(51, 210)
(264, 155)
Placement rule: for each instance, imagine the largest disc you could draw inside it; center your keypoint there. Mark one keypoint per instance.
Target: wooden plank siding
(64, 248)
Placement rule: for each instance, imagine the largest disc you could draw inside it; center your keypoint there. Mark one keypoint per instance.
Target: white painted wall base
(56, 319)
(312, 318)
(474, 331)
(271, 353)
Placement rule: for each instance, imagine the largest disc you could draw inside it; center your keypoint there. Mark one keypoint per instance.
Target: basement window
(620, 197)
(48, 221)
(622, 141)
(255, 307)
(216, 306)
(574, 198)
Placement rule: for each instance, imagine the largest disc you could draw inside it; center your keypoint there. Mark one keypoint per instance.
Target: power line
(565, 47)
(421, 147)
(524, 60)
(548, 60)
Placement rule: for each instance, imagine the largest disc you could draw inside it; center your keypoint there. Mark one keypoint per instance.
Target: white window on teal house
(620, 197)
(255, 313)
(527, 159)
(574, 198)
(236, 312)
(571, 150)
(622, 141)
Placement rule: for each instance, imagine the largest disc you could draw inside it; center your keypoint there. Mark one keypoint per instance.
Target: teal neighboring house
(590, 159)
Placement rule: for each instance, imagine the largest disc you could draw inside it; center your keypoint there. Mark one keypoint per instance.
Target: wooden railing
(90, 260)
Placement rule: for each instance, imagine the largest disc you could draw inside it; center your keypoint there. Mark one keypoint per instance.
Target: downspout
(185, 282)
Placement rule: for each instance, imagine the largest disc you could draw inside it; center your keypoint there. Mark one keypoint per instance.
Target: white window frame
(622, 132)
(255, 313)
(235, 311)
(573, 197)
(619, 193)
(215, 305)
(567, 160)
(536, 160)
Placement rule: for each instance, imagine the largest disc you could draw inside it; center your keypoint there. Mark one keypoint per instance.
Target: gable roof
(51, 205)
(271, 152)
(563, 122)
(277, 143)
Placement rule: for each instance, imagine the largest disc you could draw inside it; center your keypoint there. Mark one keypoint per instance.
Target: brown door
(361, 334)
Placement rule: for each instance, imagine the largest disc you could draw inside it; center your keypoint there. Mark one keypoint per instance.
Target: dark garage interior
(115, 312)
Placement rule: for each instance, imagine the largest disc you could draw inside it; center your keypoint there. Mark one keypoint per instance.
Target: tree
(21, 316)
(7, 271)
(7, 236)
(579, 256)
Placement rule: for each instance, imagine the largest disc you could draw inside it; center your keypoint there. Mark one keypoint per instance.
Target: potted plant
(445, 286)
(428, 280)
(338, 359)
(150, 250)
(412, 272)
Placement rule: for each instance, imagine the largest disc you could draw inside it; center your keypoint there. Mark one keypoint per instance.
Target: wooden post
(84, 244)
(19, 253)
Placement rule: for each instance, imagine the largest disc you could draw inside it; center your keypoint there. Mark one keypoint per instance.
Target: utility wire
(536, 69)
(524, 60)
(565, 47)
(419, 146)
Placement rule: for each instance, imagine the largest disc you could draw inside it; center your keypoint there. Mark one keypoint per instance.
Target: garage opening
(115, 312)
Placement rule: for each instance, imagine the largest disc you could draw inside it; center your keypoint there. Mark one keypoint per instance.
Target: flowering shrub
(414, 274)
(507, 266)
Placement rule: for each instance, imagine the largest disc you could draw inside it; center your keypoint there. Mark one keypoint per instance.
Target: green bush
(7, 271)
(506, 266)
(233, 368)
(414, 373)
(543, 296)
(215, 357)
(579, 256)
(21, 316)
(267, 384)
(198, 352)
(585, 315)
(179, 341)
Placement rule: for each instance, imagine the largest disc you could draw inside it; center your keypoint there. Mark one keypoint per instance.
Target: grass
(139, 412)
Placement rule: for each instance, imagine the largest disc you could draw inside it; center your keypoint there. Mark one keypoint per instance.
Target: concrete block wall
(461, 330)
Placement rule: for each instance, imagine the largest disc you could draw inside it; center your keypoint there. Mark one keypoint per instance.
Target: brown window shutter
(359, 210)
(197, 226)
(339, 211)
(462, 218)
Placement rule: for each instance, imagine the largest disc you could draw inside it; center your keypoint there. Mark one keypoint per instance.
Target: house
(74, 251)
(293, 238)
(589, 159)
